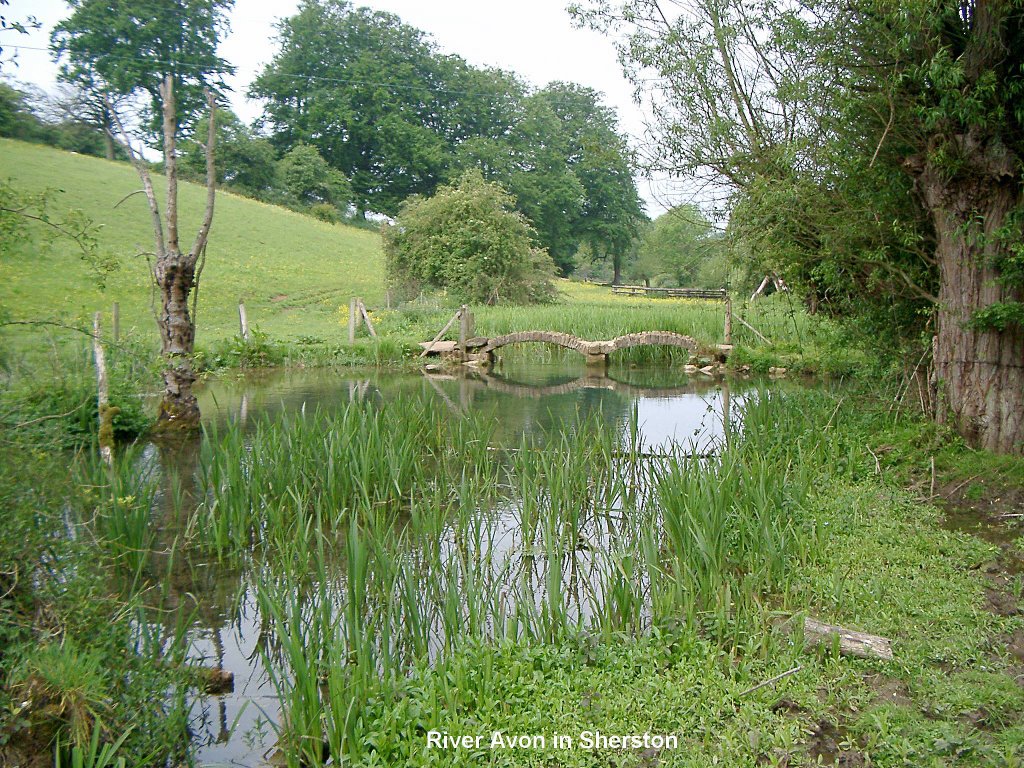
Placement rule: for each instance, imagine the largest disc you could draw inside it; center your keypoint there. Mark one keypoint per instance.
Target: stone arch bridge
(596, 352)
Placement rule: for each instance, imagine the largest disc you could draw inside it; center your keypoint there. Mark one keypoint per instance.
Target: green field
(296, 276)
(292, 271)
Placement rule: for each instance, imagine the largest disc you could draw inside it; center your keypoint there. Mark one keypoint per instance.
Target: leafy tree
(952, 76)
(309, 179)
(601, 161)
(246, 162)
(30, 115)
(86, 111)
(877, 150)
(166, 51)
(675, 246)
(363, 88)
(545, 188)
(132, 46)
(468, 240)
(570, 171)
(17, 119)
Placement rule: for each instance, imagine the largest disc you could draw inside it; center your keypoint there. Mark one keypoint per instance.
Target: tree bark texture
(175, 278)
(175, 275)
(979, 372)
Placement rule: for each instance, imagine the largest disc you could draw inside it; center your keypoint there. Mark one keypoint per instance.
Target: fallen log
(851, 643)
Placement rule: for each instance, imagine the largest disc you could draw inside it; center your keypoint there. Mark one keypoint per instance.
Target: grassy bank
(87, 677)
(292, 271)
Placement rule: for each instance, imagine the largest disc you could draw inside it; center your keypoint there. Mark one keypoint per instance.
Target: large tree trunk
(174, 271)
(979, 372)
(175, 278)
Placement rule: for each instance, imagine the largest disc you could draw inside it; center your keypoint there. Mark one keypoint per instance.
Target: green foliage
(468, 240)
(258, 351)
(1000, 316)
(404, 634)
(675, 247)
(562, 158)
(94, 754)
(244, 162)
(128, 46)
(20, 118)
(409, 118)
(325, 212)
(82, 672)
(17, 120)
(57, 401)
(307, 177)
(28, 221)
(385, 133)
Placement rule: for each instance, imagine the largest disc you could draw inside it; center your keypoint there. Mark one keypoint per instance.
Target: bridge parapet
(593, 348)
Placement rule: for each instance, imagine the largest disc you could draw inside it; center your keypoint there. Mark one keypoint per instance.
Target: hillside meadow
(292, 271)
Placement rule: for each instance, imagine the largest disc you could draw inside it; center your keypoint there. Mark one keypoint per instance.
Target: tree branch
(170, 114)
(78, 237)
(199, 246)
(147, 183)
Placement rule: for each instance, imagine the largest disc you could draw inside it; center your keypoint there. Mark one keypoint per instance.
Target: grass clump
(450, 582)
(86, 676)
(52, 399)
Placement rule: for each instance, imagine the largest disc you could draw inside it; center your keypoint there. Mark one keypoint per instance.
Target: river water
(235, 728)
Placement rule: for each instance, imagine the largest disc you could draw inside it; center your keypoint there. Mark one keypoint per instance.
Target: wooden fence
(670, 293)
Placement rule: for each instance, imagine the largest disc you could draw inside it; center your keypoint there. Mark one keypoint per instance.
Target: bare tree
(86, 104)
(175, 271)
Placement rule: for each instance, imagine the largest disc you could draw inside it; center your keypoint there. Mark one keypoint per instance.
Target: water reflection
(524, 400)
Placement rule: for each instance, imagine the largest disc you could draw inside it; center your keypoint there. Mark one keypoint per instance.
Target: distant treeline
(396, 117)
(29, 115)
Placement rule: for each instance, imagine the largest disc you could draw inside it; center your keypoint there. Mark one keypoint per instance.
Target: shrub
(307, 177)
(325, 212)
(469, 240)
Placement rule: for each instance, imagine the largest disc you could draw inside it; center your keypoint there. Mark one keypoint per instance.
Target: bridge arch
(594, 348)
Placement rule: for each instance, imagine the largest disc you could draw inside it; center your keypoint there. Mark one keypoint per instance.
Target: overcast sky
(534, 38)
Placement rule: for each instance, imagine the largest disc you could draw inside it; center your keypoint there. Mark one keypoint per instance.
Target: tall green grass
(382, 536)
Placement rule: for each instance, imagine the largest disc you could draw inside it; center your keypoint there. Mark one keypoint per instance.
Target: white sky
(534, 38)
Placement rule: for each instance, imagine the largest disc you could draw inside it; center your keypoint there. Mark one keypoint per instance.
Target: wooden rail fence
(718, 294)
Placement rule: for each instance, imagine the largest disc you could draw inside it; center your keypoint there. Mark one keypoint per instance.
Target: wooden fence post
(442, 332)
(352, 320)
(365, 316)
(243, 321)
(106, 416)
(463, 328)
(728, 319)
(116, 321)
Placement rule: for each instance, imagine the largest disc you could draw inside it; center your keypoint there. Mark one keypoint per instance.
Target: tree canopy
(870, 152)
(675, 247)
(360, 86)
(130, 46)
(397, 117)
(468, 240)
(246, 162)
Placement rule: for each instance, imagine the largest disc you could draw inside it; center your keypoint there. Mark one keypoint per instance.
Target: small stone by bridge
(481, 349)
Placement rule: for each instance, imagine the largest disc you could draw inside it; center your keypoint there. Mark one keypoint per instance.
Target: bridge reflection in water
(472, 383)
